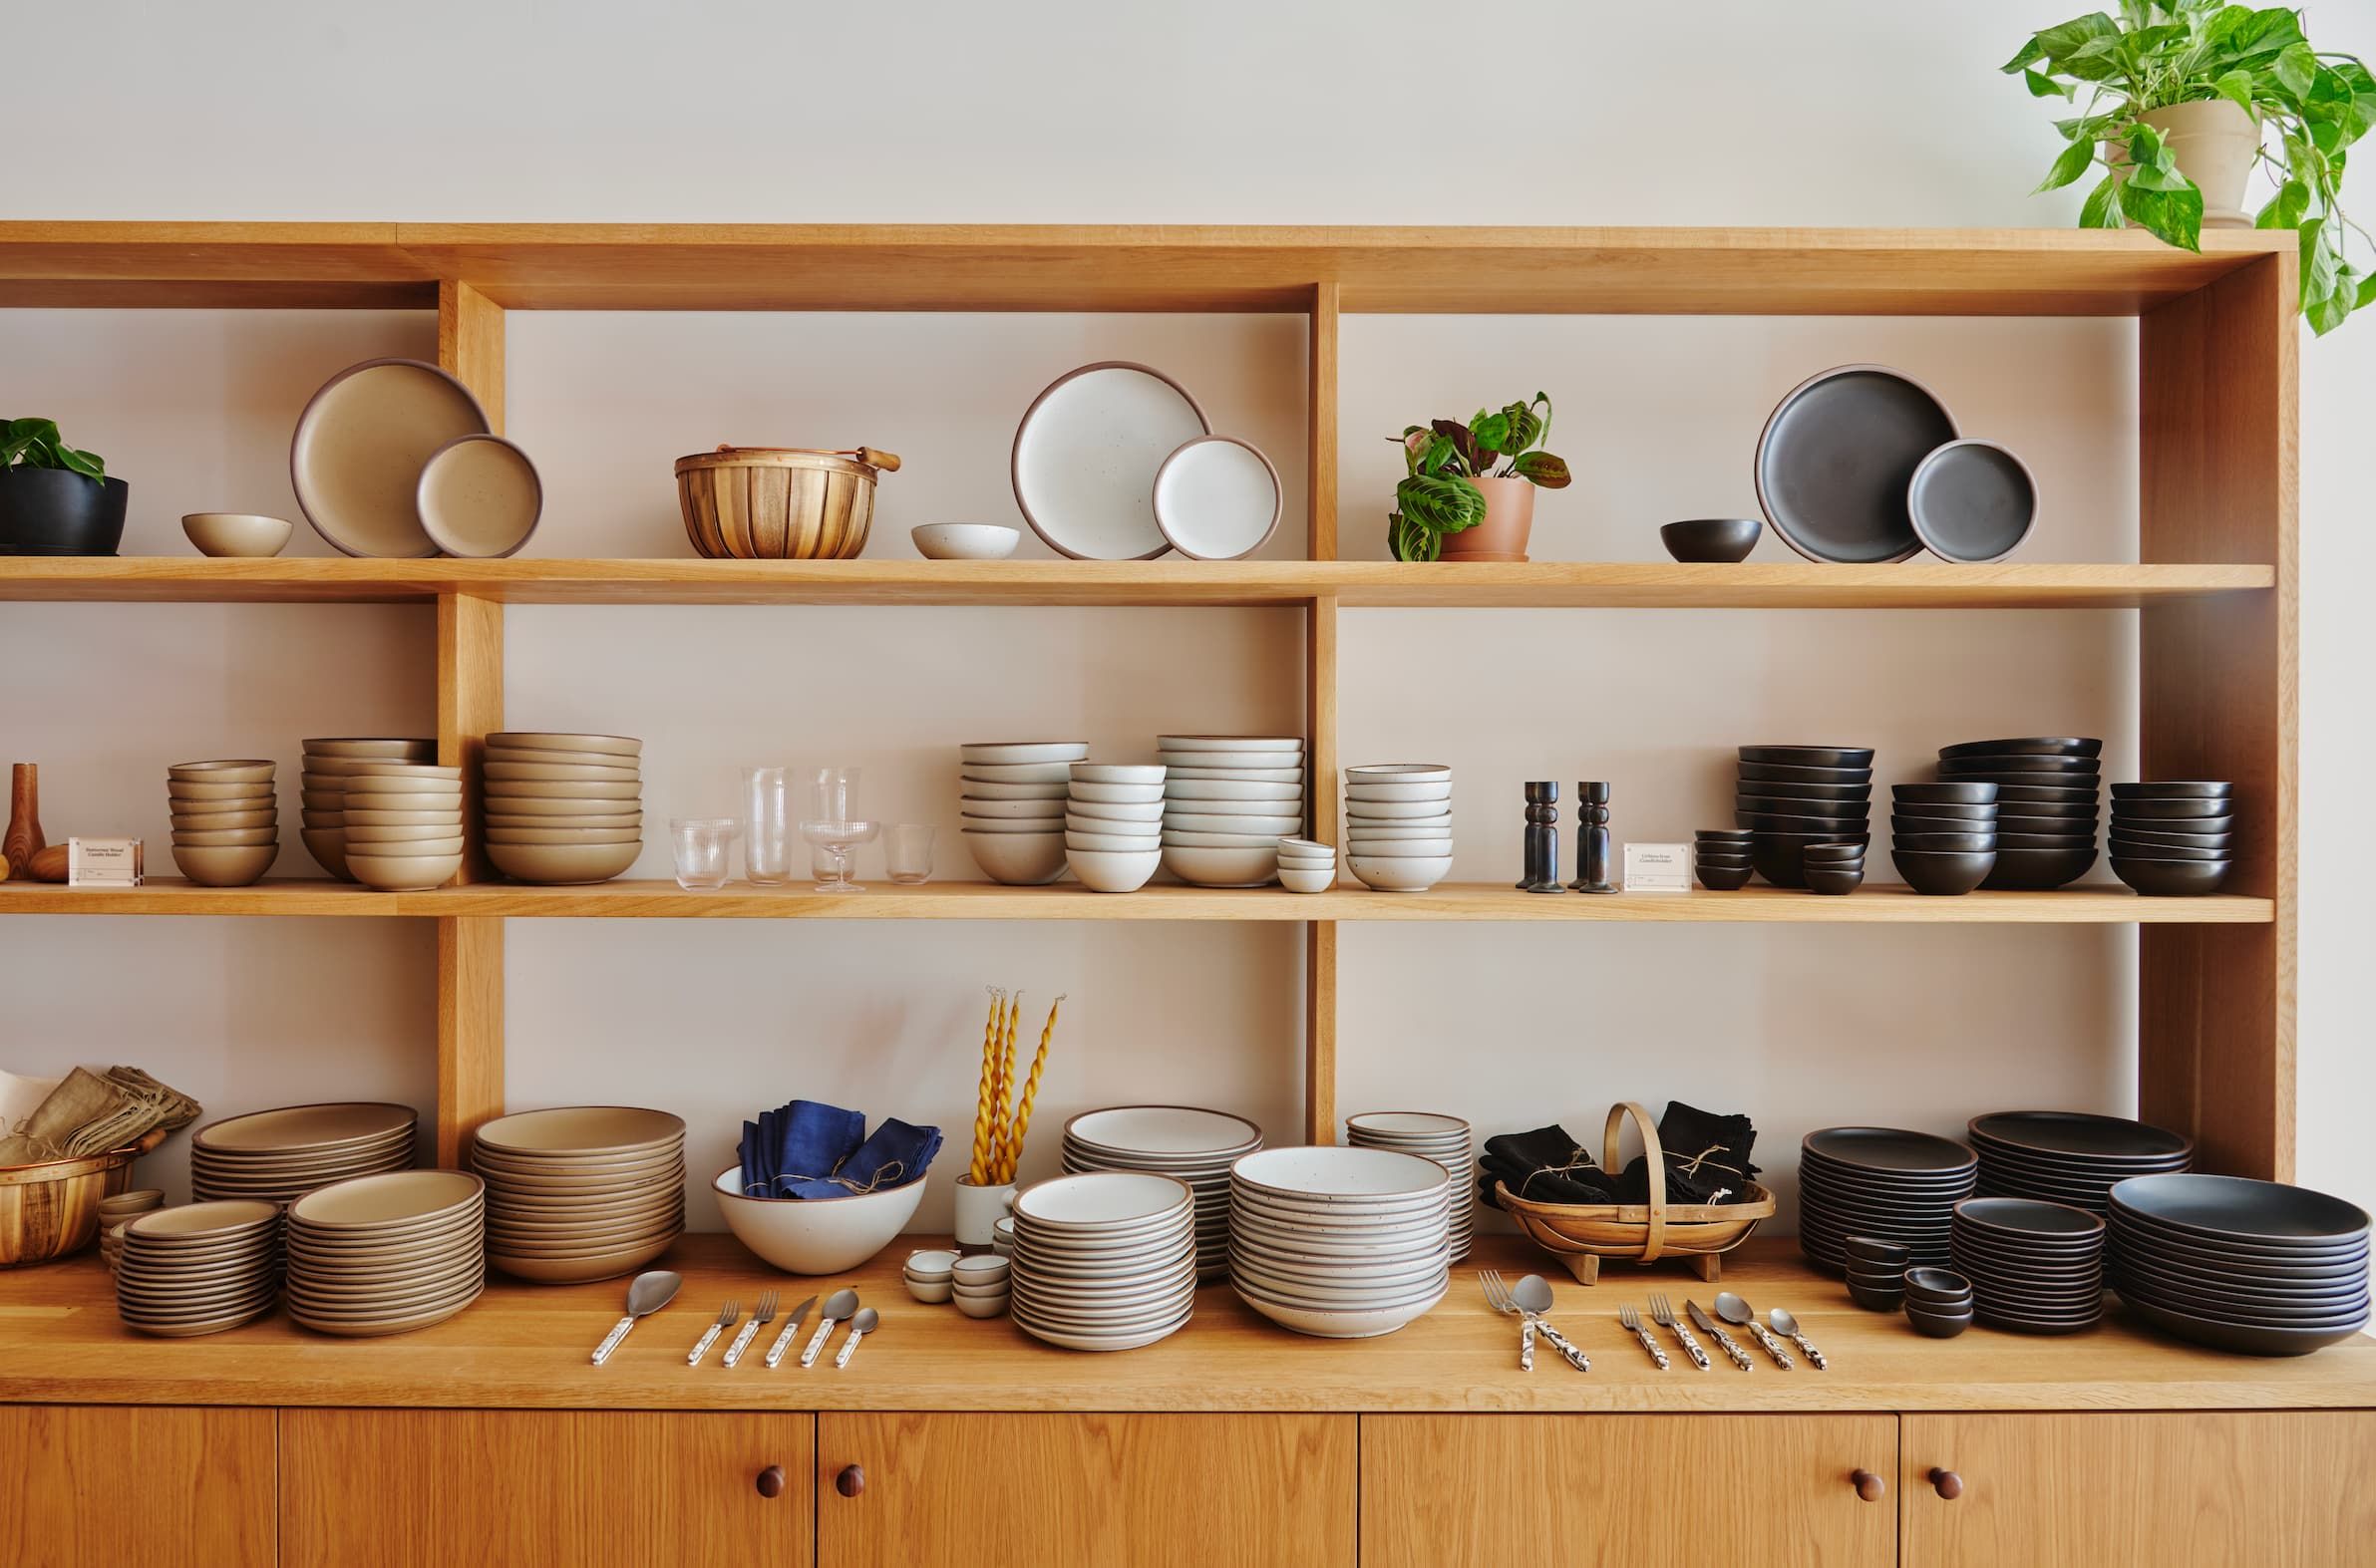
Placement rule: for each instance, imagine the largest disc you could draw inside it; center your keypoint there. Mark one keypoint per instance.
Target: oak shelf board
(700, 266)
(1359, 584)
(526, 1346)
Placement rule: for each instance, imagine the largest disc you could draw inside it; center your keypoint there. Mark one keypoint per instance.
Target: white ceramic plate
(1009, 752)
(1195, 822)
(1330, 1172)
(1066, 1339)
(1103, 1200)
(985, 789)
(1216, 499)
(1180, 769)
(1227, 789)
(1016, 773)
(1421, 1125)
(1389, 772)
(1229, 743)
(1087, 454)
(1290, 806)
(1164, 1129)
(1118, 772)
(1118, 793)
(357, 455)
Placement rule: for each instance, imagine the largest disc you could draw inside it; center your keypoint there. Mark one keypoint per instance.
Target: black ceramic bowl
(2192, 827)
(1943, 844)
(2012, 795)
(1791, 789)
(2205, 788)
(1711, 538)
(2129, 849)
(1833, 852)
(2037, 870)
(1723, 832)
(1946, 810)
(1777, 856)
(1723, 878)
(2172, 805)
(2046, 840)
(1876, 1300)
(1872, 1249)
(2171, 879)
(1901, 822)
(1834, 879)
(1938, 1326)
(2027, 823)
(1943, 875)
(2078, 810)
(1748, 800)
(1810, 755)
(1790, 825)
(1946, 793)
(2150, 834)
(2019, 763)
(1938, 1287)
(1798, 774)
(52, 512)
(2036, 744)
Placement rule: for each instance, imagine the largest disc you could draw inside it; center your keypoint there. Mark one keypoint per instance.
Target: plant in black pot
(54, 499)
(1469, 494)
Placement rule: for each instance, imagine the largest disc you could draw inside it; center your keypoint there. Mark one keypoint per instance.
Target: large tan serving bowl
(779, 503)
(51, 1209)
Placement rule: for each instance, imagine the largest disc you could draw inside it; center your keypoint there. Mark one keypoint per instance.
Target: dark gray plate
(1792, 790)
(2018, 1219)
(1837, 455)
(1972, 500)
(1806, 775)
(1832, 757)
(2252, 1340)
(2177, 787)
(2078, 1136)
(2083, 768)
(2238, 1208)
(1893, 1149)
(2044, 744)
(1949, 794)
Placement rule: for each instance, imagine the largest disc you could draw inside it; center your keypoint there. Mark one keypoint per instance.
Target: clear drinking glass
(907, 853)
(702, 845)
(830, 827)
(767, 847)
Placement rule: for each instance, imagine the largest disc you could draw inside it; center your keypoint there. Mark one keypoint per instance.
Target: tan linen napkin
(91, 1113)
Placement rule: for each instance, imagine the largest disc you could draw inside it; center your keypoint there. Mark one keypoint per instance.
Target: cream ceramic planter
(2214, 141)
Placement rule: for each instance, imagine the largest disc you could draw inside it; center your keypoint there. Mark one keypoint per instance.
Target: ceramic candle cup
(978, 1208)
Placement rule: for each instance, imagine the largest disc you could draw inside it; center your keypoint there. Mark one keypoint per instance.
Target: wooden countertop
(526, 1346)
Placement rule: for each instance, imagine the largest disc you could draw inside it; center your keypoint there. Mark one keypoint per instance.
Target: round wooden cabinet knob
(771, 1481)
(850, 1481)
(1946, 1484)
(1869, 1487)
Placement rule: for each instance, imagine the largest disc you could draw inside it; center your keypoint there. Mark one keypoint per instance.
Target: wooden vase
(23, 840)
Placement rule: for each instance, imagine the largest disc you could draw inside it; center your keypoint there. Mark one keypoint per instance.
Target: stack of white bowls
(1113, 825)
(1398, 825)
(328, 762)
(581, 1192)
(982, 1285)
(280, 1155)
(387, 1254)
(1430, 1135)
(562, 808)
(1306, 866)
(1227, 800)
(226, 821)
(1013, 806)
(199, 1269)
(403, 824)
(1105, 1261)
(1181, 1142)
(1344, 1243)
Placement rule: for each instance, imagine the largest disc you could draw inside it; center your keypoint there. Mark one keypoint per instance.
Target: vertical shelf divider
(1320, 715)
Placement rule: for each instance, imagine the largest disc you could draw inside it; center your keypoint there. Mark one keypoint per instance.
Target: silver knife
(1725, 1341)
(792, 1326)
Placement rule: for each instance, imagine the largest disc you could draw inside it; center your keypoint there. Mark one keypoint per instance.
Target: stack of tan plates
(226, 821)
(581, 1192)
(199, 1269)
(328, 762)
(563, 808)
(403, 825)
(280, 1155)
(387, 1254)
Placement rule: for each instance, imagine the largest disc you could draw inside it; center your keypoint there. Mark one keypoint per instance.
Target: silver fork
(1632, 1321)
(726, 1315)
(741, 1340)
(1497, 1296)
(1663, 1313)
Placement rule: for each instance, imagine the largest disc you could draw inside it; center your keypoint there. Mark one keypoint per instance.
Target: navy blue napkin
(898, 1154)
(808, 1149)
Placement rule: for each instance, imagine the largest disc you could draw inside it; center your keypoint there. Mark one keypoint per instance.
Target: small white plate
(1229, 743)
(1216, 499)
(1118, 772)
(998, 752)
(1101, 1200)
(1162, 1130)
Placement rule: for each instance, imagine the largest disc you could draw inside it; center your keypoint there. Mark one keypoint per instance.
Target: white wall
(1832, 112)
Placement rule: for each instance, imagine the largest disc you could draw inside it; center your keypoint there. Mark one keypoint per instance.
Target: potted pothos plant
(2184, 98)
(1469, 493)
(54, 499)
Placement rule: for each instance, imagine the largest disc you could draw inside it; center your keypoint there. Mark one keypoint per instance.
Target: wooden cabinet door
(1085, 1491)
(2275, 1489)
(1729, 1491)
(125, 1485)
(545, 1488)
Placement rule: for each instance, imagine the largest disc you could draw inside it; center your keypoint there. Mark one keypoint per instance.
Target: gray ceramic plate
(1972, 500)
(1837, 458)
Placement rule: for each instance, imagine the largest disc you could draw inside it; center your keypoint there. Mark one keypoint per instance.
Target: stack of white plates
(1227, 800)
(199, 1269)
(1344, 1243)
(328, 762)
(1430, 1135)
(387, 1254)
(1398, 825)
(280, 1155)
(1113, 832)
(562, 808)
(403, 824)
(227, 821)
(1181, 1142)
(1105, 1261)
(581, 1192)
(1013, 806)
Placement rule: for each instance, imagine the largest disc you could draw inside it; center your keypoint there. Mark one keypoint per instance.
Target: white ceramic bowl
(1006, 753)
(1433, 847)
(1017, 772)
(1359, 1324)
(984, 1306)
(1118, 772)
(991, 789)
(966, 542)
(1117, 810)
(1126, 827)
(1390, 831)
(1230, 743)
(1118, 793)
(1221, 868)
(1179, 769)
(1198, 822)
(236, 533)
(1304, 881)
(817, 1235)
(1400, 873)
(1391, 772)
(1421, 789)
(1228, 790)
(1018, 859)
(981, 1272)
(1110, 871)
(1010, 810)
(1292, 807)
(930, 1263)
(558, 810)
(1398, 811)
(1011, 824)
(1113, 843)
(930, 1292)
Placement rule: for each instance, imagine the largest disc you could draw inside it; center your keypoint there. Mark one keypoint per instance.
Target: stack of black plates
(2070, 1156)
(1882, 1182)
(2254, 1266)
(2035, 1267)
(2173, 839)
(1790, 797)
(2046, 804)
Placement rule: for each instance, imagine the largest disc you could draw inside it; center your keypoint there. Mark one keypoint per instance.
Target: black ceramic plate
(2169, 1283)
(2022, 1219)
(2329, 1314)
(1797, 774)
(1892, 1150)
(2238, 1208)
(1859, 1178)
(2032, 745)
(1946, 793)
(2251, 1341)
(2029, 1325)
(2022, 763)
(1833, 756)
(2035, 870)
(2196, 786)
(2132, 1238)
(1972, 500)
(2094, 1200)
(2082, 1135)
(1837, 457)
(2083, 1301)
(1931, 1201)
(2014, 795)
(1789, 789)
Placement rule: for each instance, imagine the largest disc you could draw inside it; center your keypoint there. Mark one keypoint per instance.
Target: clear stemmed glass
(832, 828)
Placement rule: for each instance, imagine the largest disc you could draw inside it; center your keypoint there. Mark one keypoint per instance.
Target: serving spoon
(839, 1305)
(650, 1291)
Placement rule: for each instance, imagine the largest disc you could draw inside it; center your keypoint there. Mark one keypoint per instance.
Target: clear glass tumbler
(766, 845)
(702, 845)
(907, 853)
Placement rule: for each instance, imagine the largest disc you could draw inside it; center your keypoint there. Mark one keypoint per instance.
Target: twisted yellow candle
(1013, 1155)
(1000, 1111)
(978, 1169)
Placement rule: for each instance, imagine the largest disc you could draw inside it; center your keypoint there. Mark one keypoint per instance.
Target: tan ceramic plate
(522, 1178)
(577, 1131)
(394, 1285)
(367, 1327)
(632, 820)
(203, 1222)
(578, 1232)
(528, 754)
(557, 789)
(160, 1258)
(203, 1300)
(593, 836)
(360, 445)
(215, 1279)
(538, 811)
(538, 1245)
(579, 1271)
(241, 770)
(233, 1179)
(563, 741)
(178, 791)
(550, 1207)
(388, 1201)
(563, 773)
(478, 497)
(169, 1330)
(332, 1263)
(342, 1127)
(387, 748)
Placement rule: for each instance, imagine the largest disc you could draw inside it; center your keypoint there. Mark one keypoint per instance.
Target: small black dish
(1714, 539)
(1791, 789)
(1723, 832)
(2147, 835)
(1723, 878)
(1943, 875)
(2014, 795)
(2198, 787)
(1970, 811)
(1835, 851)
(2172, 805)
(2026, 823)
(1801, 774)
(2130, 848)
(2038, 870)
(2186, 826)
(2073, 810)
(1943, 1287)
(1806, 828)
(2036, 744)
(1778, 856)
(2171, 879)
(1872, 1249)
(1901, 823)
(1811, 756)
(1876, 1300)
(1936, 1325)
(1833, 880)
(1943, 844)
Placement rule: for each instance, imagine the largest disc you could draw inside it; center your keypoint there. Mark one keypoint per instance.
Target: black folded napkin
(1707, 1161)
(1547, 1166)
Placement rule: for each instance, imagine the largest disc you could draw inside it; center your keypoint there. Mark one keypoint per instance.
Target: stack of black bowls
(1886, 1183)
(1790, 797)
(2046, 804)
(2071, 1156)
(1942, 836)
(1720, 859)
(2242, 1265)
(2173, 839)
(2035, 1267)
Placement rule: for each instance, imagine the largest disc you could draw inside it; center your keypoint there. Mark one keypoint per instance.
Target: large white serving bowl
(1118, 772)
(1292, 1257)
(1227, 789)
(1009, 752)
(1398, 811)
(1329, 1172)
(1017, 772)
(1108, 871)
(964, 541)
(1099, 1201)
(1112, 843)
(1424, 790)
(987, 789)
(1180, 769)
(1360, 1325)
(1391, 772)
(817, 1235)
(1400, 875)
(1221, 868)
(1045, 806)
(1018, 859)
(1117, 794)
(1117, 810)
(1229, 743)
(1198, 822)
(1164, 1131)
(1325, 1210)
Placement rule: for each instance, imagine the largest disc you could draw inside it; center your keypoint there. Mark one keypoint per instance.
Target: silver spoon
(647, 1295)
(1788, 1327)
(1533, 1297)
(1732, 1310)
(839, 1305)
(860, 1327)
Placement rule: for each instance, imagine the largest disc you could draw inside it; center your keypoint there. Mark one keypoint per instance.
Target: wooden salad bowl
(50, 1209)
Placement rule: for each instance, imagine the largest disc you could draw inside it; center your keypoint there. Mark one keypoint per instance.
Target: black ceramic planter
(50, 512)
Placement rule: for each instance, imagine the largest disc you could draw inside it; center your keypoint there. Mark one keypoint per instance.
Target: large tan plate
(547, 1207)
(315, 1129)
(174, 1294)
(630, 822)
(527, 754)
(360, 445)
(582, 1270)
(366, 1328)
(388, 1201)
(611, 1179)
(563, 773)
(169, 1330)
(563, 741)
(385, 748)
(574, 1131)
(589, 1247)
(174, 1305)
(581, 1234)
(538, 810)
(560, 789)
(362, 1291)
(196, 1222)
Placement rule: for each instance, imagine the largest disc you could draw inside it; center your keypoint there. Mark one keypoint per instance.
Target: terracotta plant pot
(2214, 141)
(1509, 520)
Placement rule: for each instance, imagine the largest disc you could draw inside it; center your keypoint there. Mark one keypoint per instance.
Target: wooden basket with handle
(776, 504)
(1579, 1235)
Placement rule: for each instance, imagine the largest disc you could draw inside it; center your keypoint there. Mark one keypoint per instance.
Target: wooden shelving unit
(2215, 590)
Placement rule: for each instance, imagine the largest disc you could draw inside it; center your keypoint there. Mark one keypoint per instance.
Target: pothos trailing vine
(1435, 498)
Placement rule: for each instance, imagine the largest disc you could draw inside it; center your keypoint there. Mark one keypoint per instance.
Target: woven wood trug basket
(1579, 1235)
(779, 503)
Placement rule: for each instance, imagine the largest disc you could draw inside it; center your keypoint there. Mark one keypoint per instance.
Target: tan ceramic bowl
(225, 865)
(338, 768)
(419, 799)
(521, 753)
(382, 768)
(323, 800)
(402, 873)
(398, 749)
(245, 771)
(561, 773)
(208, 839)
(631, 820)
(406, 846)
(424, 818)
(560, 740)
(563, 865)
(189, 789)
(327, 846)
(562, 806)
(235, 532)
(560, 789)
(216, 822)
(564, 836)
(395, 1199)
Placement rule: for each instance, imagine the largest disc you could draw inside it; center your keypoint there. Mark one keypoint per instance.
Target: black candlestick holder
(1591, 840)
(1543, 838)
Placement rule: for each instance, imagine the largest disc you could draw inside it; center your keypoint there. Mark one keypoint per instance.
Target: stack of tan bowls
(280, 1155)
(226, 821)
(387, 1254)
(581, 1192)
(199, 1269)
(328, 761)
(118, 1212)
(563, 808)
(403, 825)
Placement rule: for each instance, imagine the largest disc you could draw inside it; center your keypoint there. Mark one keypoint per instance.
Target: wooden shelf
(702, 266)
(664, 900)
(1546, 584)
